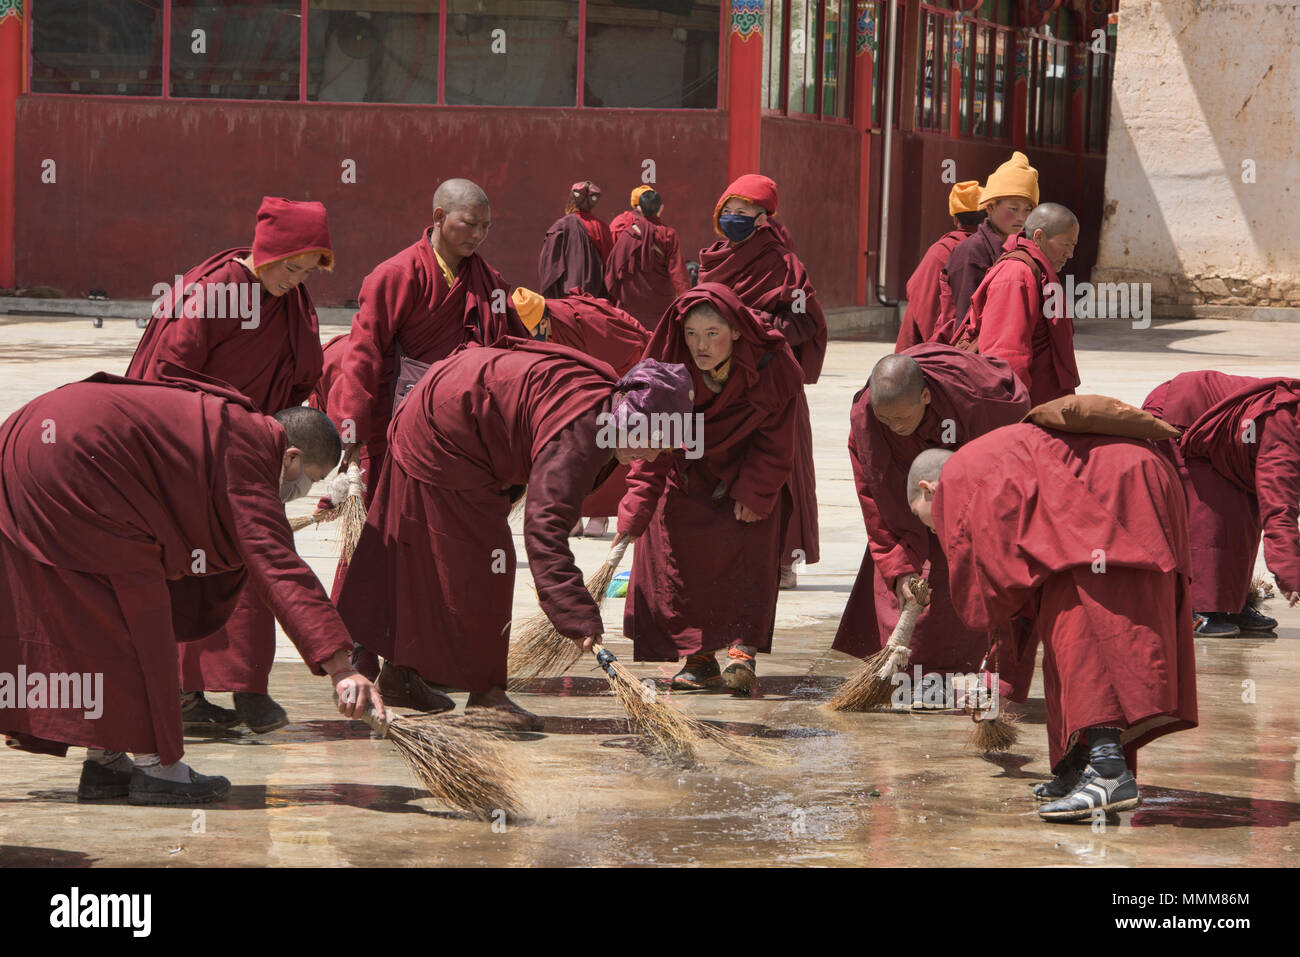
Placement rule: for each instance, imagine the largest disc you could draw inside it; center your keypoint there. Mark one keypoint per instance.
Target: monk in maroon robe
(1008, 196)
(432, 580)
(583, 198)
(928, 295)
(601, 330)
(930, 396)
(1087, 535)
(1239, 461)
(757, 265)
(431, 299)
(1018, 315)
(646, 273)
(707, 561)
(244, 317)
(626, 218)
(135, 515)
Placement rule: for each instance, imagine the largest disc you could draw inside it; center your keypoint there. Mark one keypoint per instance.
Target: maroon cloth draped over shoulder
(1007, 319)
(645, 272)
(432, 579)
(925, 302)
(137, 527)
(198, 326)
(701, 579)
(970, 395)
(1252, 438)
(600, 234)
(1024, 515)
(570, 259)
(969, 261)
(768, 277)
(598, 328)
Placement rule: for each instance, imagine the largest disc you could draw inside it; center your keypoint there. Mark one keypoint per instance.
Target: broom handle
(616, 553)
(901, 637)
(377, 723)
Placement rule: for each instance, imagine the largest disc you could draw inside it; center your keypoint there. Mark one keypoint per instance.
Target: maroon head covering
(653, 388)
(288, 228)
(583, 195)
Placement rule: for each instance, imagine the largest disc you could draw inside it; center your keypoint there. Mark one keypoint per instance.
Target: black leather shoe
(1213, 624)
(201, 716)
(199, 789)
(101, 783)
(1252, 621)
(259, 712)
(404, 688)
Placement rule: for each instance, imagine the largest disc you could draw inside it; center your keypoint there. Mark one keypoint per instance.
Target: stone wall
(1203, 159)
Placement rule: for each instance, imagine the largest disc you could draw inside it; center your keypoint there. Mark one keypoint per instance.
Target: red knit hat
(288, 228)
(752, 188)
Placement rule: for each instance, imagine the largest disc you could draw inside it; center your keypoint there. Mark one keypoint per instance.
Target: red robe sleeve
(255, 515)
(563, 473)
(383, 305)
(1277, 485)
(681, 279)
(645, 483)
(890, 555)
(1008, 309)
(768, 462)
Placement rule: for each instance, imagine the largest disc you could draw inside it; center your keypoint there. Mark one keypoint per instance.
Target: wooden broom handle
(377, 723)
(616, 553)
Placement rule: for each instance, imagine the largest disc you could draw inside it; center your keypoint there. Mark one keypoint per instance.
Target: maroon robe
(569, 259)
(969, 261)
(432, 580)
(646, 273)
(1024, 515)
(701, 579)
(1007, 319)
(969, 396)
(599, 329)
(333, 361)
(1239, 458)
(276, 363)
(600, 234)
(139, 526)
(405, 303)
(925, 302)
(621, 222)
(767, 276)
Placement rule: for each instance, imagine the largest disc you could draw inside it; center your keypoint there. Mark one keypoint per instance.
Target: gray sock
(113, 760)
(152, 765)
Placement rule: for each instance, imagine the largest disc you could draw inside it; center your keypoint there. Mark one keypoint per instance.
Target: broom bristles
(996, 734)
(315, 518)
(872, 685)
(462, 767)
(1260, 591)
(353, 513)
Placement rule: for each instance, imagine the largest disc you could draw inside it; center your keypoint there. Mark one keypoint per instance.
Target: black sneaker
(259, 712)
(201, 716)
(102, 783)
(200, 789)
(1063, 783)
(1213, 624)
(1094, 793)
(1252, 621)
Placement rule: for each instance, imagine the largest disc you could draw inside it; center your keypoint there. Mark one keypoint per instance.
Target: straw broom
(460, 766)
(999, 733)
(353, 512)
(541, 651)
(872, 685)
(315, 518)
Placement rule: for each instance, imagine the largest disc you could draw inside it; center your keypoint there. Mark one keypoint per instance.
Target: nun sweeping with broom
(431, 582)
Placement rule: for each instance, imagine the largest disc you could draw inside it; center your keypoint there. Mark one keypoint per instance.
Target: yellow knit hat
(1015, 177)
(964, 198)
(636, 194)
(530, 306)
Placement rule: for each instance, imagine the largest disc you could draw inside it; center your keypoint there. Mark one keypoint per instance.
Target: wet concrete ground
(879, 789)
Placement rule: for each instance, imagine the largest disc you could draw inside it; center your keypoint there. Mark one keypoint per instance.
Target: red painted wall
(146, 189)
(919, 210)
(815, 165)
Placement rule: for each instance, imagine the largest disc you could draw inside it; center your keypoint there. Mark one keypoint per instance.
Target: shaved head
(926, 467)
(456, 194)
(312, 433)
(1052, 218)
(896, 379)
